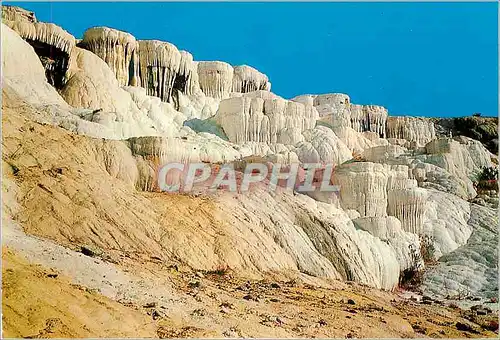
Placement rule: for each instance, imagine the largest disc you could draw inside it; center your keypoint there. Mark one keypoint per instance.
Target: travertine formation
(118, 49)
(52, 44)
(145, 103)
(159, 64)
(255, 118)
(216, 78)
(337, 110)
(413, 129)
(247, 79)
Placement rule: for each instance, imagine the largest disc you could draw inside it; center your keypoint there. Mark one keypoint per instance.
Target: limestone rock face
(159, 64)
(142, 104)
(413, 129)
(464, 158)
(446, 221)
(216, 78)
(52, 44)
(405, 244)
(253, 119)
(23, 72)
(118, 49)
(377, 190)
(331, 248)
(321, 145)
(473, 267)
(363, 188)
(408, 205)
(247, 79)
(337, 110)
(92, 85)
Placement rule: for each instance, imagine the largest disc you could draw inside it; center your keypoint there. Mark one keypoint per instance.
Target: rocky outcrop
(254, 119)
(247, 79)
(363, 187)
(216, 78)
(418, 131)
(146, 104)
(159, 64)
(337, 110)
(52, 44)
(470, 270)
(118, 49)
(483, 129)
(321, 145)
(23, 73)
(376, 190)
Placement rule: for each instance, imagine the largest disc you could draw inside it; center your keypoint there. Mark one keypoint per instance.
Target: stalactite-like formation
(52, 44)
(259, 117)
(216, 78)
(339, 112)
(363, 188)
(247, 79)
(413, 129)
(186, 80)
(408, 206)
(159, 64)
(377, 117)
(118, 49)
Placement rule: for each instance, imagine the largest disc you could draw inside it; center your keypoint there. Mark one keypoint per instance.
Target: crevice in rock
(54, 60)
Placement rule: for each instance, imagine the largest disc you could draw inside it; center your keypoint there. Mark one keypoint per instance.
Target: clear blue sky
(428, 59)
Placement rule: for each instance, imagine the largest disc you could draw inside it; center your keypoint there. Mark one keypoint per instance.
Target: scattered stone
(351, 302)
(249, 297)
(198, 312)
(273, 320)
(194, 284)
(322, 322)
(152, 304)
(200, 275)
(465, 327)
(481, 310)
(52, 276)
(275, 285)
(226, 305)
(245, 286)
(91, 251)
(274, 300)
(231, 333)
(157, 314)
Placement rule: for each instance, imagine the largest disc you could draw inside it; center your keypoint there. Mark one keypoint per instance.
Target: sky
(418, 59)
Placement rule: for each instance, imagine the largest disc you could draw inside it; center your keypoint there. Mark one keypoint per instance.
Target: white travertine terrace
(52, 44)
(14, 13)
(159, 63)
(389, 230)
(46, 33)
(117, 48)
(216, 78)
(363, 188)
(408, 205)
(376, 116)
(186, 80)
(378, 190)
(322, 145)
(339, 112)
(151, 100)
(23, 72)
(247, 79)
(250, 118)
(412, 129)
